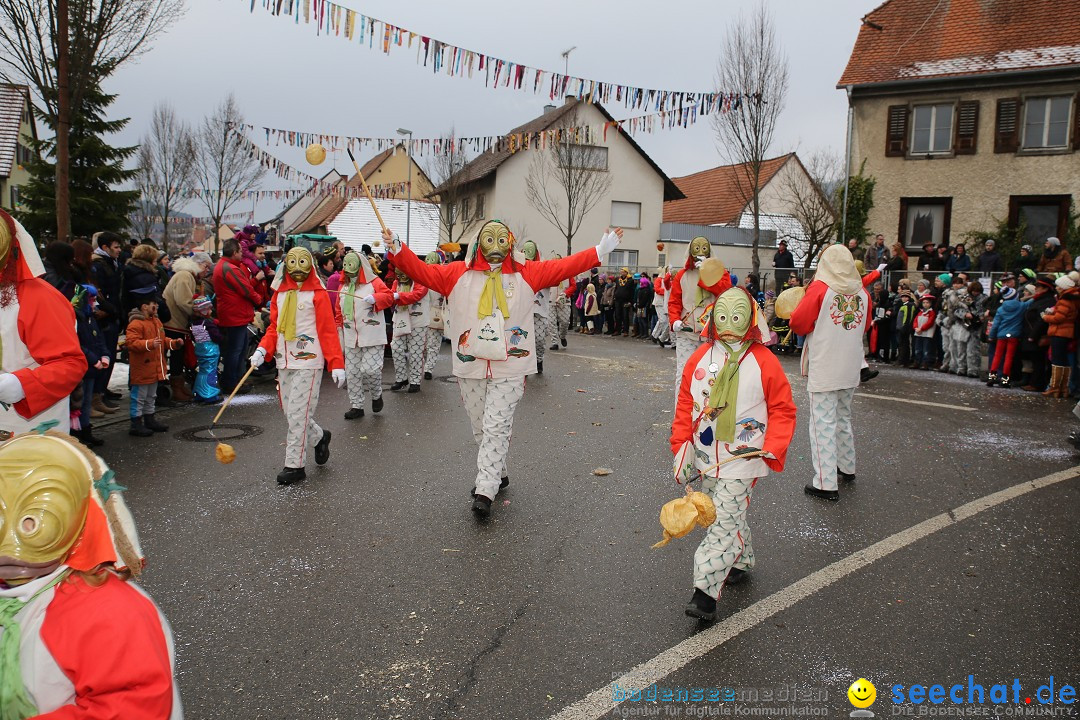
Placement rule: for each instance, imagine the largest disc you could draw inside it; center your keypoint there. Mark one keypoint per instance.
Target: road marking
(965, 408)
(599, 703)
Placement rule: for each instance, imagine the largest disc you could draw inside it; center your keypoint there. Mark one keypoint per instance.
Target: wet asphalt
(369, 590)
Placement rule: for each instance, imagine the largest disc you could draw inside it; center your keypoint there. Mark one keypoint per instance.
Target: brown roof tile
(910, 39)
(713, 196)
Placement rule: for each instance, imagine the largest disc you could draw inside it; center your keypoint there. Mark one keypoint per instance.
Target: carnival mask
(700, 248)
(44, 491)
(298, 263)
(350, 265)
(432, 258)
(731, 316)
(496, 241)
(401, 276)
(530, 250)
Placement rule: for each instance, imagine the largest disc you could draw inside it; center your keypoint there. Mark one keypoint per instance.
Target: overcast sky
(284, 76)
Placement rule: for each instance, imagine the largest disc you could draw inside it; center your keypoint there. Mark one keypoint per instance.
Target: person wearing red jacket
(832, 316)
(303, 337)
(42, 362)
(238, 296)
(412, 313)
(358, 311)
(80, 639)
(733, 423)
(689, 298)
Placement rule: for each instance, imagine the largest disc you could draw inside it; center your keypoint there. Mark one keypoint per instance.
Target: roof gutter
(921, 82)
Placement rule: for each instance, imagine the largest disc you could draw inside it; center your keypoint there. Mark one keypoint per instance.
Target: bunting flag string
(332, 19)
(181, 220)
(188, 194)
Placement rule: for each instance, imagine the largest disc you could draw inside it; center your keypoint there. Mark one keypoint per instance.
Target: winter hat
(1075, 277)
(1029, 289)
(1053, 242)
(945, 278)
(927, 297)
(203, 304)
(1008, 293)
(1064, 282)
(1028, 273)
(1026, 247)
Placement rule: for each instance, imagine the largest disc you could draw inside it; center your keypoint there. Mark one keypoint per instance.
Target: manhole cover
(221, 433)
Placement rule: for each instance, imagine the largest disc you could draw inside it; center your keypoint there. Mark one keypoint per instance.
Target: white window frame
(623, 258)
(934, 106)
(1046, 122)
(480, 202)
(464, 209)
(593, 151)
(614, 223)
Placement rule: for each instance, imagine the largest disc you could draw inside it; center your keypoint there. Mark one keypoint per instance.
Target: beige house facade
(17, 132)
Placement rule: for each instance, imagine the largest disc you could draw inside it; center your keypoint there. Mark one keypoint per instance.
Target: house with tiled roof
(967, 113)
(17, 132)
(493, 185)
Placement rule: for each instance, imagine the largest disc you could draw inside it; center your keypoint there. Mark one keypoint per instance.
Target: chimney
(548, 108)
(570, 99)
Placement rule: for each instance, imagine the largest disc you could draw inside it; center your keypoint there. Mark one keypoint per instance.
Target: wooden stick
(367, 192)
(744, 456)
(229, 399)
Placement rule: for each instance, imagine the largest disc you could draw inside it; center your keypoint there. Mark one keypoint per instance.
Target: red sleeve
(870, 278)
(110, 644)
(383, 297)
(269, 341)
(657, 284)
(682, 425)
(781, 406)
(327, 331)
(806, 313)
(413, 296)
(546, 273)
(440, 278)
(674, 301)
(46, 325)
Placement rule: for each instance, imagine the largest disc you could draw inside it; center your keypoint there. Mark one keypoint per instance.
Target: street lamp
(408, 201)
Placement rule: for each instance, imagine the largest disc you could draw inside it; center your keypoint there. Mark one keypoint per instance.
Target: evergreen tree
(96, 169)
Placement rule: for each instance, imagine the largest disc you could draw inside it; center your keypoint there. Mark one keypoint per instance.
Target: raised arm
(440, 278)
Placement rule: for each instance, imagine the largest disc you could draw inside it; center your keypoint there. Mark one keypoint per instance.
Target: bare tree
(145, 215)
(566, 180)
(224, 166)
(753, 65)
(166, 164)
(446, 171)
(60, 48)
(810, 202)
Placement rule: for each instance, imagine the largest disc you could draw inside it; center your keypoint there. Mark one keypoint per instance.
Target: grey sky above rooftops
(284, 76)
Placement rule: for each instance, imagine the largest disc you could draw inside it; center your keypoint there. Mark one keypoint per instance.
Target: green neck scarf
(492, 294)
(15, 704)
(349, 310)
(286, 324)
(725, 391)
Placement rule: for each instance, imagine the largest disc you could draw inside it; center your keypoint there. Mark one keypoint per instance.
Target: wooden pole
(229, 399)
(367, 192)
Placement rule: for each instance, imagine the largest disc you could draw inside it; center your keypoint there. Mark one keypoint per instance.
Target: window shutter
(896, 131)
(1007, 130)
(1076, 122)
(967, 127)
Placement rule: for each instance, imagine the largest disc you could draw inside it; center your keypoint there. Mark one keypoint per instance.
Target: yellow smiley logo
(862, 693)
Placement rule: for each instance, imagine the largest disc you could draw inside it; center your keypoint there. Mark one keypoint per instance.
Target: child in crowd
(592, 309)
(207, 338)
(146, 345)
(1005, 330)
(904, 312)
(924, 333)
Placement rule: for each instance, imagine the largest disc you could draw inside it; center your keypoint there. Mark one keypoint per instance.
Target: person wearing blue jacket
(1006, 330)
(959, 261)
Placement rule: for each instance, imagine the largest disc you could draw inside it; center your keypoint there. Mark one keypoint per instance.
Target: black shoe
(823, 494)
(414, 388)
(736, 576)
(138, 429)
(399, 386)
(554, 346)
(866, 374)
(354, 413)
(152, 424)
(845, 477)
(562, 341)
(506, 482)
(701, 606)
(991, 379)
(110, 395)
(322, 449)
(1004, 381)
(376, 404)
(1075, 439)
(110, 402)
(86, 437)
(481, 506)
(427, 376)
(539, 368)
(290, 475)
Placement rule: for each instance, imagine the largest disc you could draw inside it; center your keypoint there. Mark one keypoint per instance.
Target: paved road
(369, 591)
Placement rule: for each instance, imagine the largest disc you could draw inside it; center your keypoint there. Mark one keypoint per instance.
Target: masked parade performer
(411, 317)
(436, 322)
(561, 310)
(542, 310)
(689, 299)
(833, 316)
(41, 361)
(733, 399)
(303, 336)
(359, 315)
(490, 295)
(77, 638)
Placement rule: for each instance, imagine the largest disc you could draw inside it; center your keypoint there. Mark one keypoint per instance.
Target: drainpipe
(847, 167)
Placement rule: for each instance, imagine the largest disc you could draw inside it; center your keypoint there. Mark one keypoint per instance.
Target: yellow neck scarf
(286, 324)
(492, 294)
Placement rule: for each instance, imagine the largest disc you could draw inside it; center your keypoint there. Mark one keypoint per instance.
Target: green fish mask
(732, 315)
(530, 250)
(700, 248)
(350, 264)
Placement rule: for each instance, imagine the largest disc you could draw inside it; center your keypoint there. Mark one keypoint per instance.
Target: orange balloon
(660, 247)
